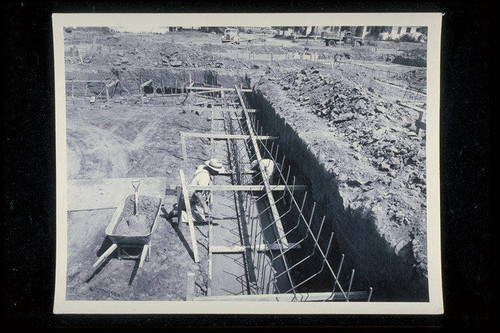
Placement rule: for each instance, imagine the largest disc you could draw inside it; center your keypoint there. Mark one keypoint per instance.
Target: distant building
(379, 32)
(395, 32)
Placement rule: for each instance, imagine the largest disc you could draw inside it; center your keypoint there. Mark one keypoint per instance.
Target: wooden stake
(183, 145)
(190, 286)
(187, 204)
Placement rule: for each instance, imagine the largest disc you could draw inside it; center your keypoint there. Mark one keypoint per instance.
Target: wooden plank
(91, 209)
(228, 136)
(400, 88)
(147, 83)
(84, 81)
(274, 210)
(299, 297)
(412, 107)
(210, 259)
(232, 118)
(281, 237)
(109, 85)
(246, 187)
(258, 247)
(216, 89)
(189, 216)
(201, 108)
(190, 286)
(183, 145)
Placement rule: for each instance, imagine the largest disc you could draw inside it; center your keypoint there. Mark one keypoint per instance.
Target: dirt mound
(377, 159)
(416, 62)
(375, 127)
(140, 224)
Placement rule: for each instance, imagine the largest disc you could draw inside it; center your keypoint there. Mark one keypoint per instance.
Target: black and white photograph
(263, 163)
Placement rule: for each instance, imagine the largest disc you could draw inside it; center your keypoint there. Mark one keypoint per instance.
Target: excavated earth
(366, 167)
(355, 144)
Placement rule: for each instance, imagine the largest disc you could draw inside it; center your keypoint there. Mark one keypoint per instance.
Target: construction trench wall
(133, 78)
(392, 276)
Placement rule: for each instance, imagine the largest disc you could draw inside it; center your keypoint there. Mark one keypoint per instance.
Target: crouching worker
(200, 200)
(270, 168)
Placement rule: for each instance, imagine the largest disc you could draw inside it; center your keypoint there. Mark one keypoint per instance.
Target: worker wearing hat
(200, 199)
(270, 167)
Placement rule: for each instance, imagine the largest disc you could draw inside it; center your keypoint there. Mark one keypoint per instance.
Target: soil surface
(353, 123)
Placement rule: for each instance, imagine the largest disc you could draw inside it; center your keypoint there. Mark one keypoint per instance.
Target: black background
(469, 107)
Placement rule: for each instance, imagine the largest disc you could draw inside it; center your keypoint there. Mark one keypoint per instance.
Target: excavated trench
(377, 266)
(366, 251)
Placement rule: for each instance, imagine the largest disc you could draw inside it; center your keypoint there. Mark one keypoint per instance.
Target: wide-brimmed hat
(215, 165)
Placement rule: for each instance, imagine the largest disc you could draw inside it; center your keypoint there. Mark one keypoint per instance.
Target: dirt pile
(377, 162)
(382, 131)
(140, 224)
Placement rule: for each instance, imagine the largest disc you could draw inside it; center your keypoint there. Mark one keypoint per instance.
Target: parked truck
(231, 35)
(341, 37)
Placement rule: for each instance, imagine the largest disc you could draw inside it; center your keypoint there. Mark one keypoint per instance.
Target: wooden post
(183, 145)
(272, 56)
(187, 204)
(179, 204)
(107, 93)
(212, 132)
(190, 286)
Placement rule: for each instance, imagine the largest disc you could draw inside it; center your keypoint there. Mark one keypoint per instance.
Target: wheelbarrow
(122, 241)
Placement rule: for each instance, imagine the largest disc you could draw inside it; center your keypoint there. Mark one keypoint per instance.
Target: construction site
(342, 217)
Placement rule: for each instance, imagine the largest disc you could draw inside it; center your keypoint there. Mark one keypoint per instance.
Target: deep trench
(365, 250)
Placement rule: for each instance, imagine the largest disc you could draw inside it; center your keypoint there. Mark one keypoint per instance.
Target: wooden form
(299, 297)
(267, 187)
(258, 247)
(247, 188)
(217, 137)
(190, 286)
(199, 108)
(400, 88)
(215, 89)
(187, 204)
(145, 84)
(276, 220)
(110, 85)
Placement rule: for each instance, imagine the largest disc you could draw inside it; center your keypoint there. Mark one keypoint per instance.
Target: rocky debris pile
(382, 132)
